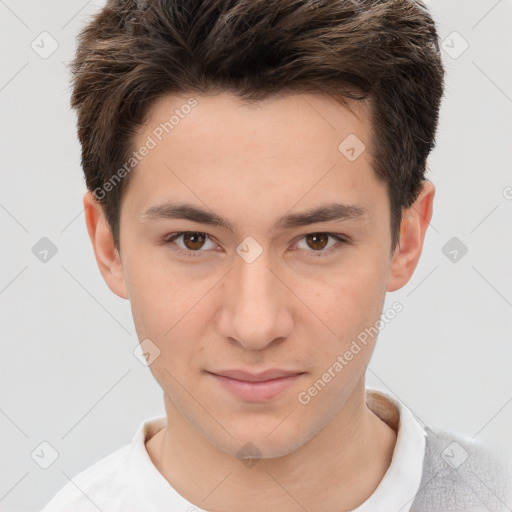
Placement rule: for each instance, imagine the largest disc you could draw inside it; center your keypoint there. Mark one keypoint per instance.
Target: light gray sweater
(459, 475)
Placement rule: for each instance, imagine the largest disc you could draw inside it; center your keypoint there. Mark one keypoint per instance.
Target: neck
(324, 474)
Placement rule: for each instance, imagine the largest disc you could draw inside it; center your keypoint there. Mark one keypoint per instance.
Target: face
(266, 285)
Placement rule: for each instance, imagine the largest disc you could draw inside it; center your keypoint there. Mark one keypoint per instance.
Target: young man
(256, 186)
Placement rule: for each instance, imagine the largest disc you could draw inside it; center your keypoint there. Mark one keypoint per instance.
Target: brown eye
(317, 241)
(193, 240)
(190, 243)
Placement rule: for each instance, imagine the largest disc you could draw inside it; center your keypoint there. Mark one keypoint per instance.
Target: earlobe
(415, 221)
(107, 256)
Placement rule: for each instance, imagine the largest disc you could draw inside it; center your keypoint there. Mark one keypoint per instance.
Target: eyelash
(320, 253)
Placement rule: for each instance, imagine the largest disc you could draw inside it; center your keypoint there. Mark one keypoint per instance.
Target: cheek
(348, 302)
(160, 295)
(166, 312)
(168, 308)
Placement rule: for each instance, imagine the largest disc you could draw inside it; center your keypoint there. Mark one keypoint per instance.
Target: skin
(290, 308)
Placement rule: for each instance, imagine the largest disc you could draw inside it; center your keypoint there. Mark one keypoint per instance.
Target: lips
(256, 377)
(256, 387)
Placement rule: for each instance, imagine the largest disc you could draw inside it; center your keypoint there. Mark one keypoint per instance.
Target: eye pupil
(319, 240)
(193, 240)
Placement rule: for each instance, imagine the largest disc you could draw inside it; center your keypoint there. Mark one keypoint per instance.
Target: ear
(415, 221)
(107, 256)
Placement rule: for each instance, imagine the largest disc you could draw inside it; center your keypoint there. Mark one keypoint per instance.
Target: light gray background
(68, 374)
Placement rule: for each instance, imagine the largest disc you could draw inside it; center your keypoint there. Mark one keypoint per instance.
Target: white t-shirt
(127, 480)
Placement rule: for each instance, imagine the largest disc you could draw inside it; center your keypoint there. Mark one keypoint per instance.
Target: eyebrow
(329, 212)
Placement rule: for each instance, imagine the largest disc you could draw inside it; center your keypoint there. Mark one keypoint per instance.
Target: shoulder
(460, 474)
(88, 490)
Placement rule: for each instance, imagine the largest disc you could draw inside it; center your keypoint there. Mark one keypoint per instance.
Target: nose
(255, 305)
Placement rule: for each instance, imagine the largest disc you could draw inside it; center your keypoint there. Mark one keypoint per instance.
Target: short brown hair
(133, 52)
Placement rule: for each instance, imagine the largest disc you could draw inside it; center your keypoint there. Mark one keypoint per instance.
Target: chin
(253, 445)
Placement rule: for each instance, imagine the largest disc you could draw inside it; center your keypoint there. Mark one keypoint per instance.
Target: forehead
(285, 117)
(279, 151)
